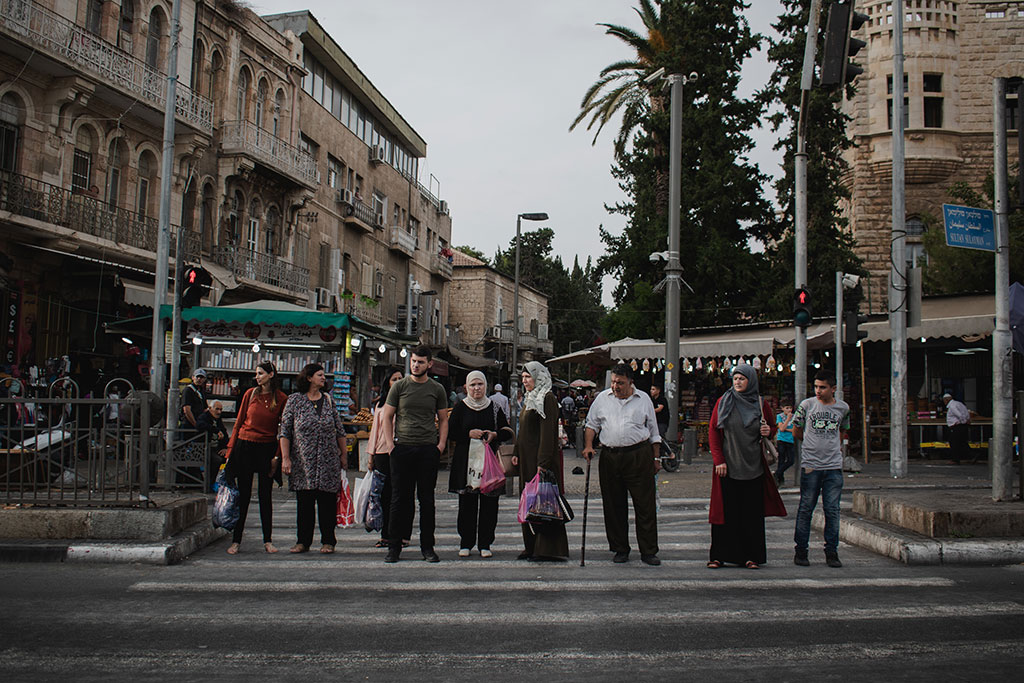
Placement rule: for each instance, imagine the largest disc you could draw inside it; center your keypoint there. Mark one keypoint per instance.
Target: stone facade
(952, 52)
(482, 312)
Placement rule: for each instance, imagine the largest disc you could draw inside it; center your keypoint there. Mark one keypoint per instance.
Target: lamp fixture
(404, 352)
(255, 347)
(127, 341)
(357, 342)
(197, 339)
(382, 348)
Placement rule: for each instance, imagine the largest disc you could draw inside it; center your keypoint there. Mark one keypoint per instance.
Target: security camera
(658, 256)
(850, 280)
(692, 77)
(654, 76)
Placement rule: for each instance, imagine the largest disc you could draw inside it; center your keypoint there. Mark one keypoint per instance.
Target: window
(334, 172)
(328, 99)
(915, 227)
(216, 64)
(252, 237)
(933, 112)
(932, 82)
(94, 15)
(906, 113)
(81, 165)
(414, 229)
(153, 39)
(188, 209)
(273, 230)
(115, 165)
(206, 217)
(380, 204)
(888, 83)
(147, 163)
(242, 96)
(278, 108)
(127, 24)
(262, 90)
(198, 57)
(233, 219)
(1011, 111)
(10, 109)
(995, 14)
(318, 82)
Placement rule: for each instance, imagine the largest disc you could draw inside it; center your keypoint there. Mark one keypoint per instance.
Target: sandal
(299, 548)
(233, 548)
(327, 549)
(752, 565)
(382, 543)
(269, 547)
(714, 564)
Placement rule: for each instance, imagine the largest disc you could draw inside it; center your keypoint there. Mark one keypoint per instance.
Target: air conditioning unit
(542, 331)
(323, 296)
(345, 197)
(378, 155)
(443, 207)
(378, 220)
(318, 179)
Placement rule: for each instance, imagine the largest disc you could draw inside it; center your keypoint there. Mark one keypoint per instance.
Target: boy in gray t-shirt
(821, 423)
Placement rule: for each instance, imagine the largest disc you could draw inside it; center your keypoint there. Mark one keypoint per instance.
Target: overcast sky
(492, 87)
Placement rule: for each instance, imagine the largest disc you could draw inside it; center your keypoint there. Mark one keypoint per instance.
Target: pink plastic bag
(346, 509)
(493, 476)
(529, 493)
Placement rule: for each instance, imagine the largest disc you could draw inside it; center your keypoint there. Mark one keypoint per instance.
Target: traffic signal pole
(898, 290)
(175, 376)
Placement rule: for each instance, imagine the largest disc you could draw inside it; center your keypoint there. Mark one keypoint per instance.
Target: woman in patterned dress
(313, 451)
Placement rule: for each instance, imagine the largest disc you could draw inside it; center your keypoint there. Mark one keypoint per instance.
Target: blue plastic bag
(373, 520)
(225, 508)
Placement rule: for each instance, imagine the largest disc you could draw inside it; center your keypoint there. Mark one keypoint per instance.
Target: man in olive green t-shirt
(414, 402)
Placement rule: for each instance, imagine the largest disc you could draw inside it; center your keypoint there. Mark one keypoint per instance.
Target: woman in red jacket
(743, 491)
(253, 449)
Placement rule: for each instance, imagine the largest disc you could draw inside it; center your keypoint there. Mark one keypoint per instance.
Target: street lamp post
(514, 392)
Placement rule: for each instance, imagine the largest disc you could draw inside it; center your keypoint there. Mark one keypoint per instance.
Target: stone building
(293, 177)
(483, 315)
(952, 50)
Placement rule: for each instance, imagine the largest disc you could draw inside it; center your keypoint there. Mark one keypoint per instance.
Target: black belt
(625, 449)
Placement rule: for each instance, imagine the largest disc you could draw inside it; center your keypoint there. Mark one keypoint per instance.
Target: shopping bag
(361, 496)
(474, 464)
(346, 512)
(221, 477)
(493, 477)
(529, 493)
(374, 517)
(225, 508)
(545, 505)
(505, 453)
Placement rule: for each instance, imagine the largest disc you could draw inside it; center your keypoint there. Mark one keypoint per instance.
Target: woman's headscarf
(541, 386)
(471, 402)
(747, 403)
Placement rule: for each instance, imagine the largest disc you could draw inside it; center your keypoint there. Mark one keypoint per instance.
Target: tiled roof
(461, 259)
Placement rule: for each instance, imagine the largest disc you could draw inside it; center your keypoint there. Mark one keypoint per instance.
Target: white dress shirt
(623, 422)
(956, 413)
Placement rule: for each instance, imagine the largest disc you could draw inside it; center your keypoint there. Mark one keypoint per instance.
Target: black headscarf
(746, 403)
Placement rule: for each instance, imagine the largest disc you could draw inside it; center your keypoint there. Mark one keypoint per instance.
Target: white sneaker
(486, 552)
(463, 552)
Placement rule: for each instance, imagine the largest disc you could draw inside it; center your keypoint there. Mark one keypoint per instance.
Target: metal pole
(513, 370)
(157, 355)
(865, 427)
(898, 289)
(673, 269)
(1000, 451)
(408, 319)
(172, 392)
(839, 335)
(800, 203)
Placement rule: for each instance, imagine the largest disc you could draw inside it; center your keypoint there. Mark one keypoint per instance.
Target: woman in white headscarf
(537, 450)
(474, 421)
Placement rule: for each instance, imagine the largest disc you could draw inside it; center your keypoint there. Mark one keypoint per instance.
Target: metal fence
(95, 452)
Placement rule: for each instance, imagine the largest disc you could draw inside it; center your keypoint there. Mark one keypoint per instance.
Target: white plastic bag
(474, 464)
(362, 496)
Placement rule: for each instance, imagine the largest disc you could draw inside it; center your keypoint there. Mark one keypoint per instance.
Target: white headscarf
(471, 402)
(541, 386)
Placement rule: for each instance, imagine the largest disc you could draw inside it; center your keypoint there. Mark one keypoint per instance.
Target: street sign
(969, 228)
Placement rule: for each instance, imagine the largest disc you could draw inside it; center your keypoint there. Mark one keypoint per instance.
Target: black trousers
(248, 458)
(326, 504)
(413, 473)
(478, 517)
(629, 471)
(741, 539)
(382, 463)
(959, 446)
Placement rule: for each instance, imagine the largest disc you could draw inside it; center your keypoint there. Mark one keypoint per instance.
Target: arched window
(262, 90)
(147, 172)
(117, 155)
(11, 115)
(206, 217)
(234, 218)
(915, 226)
(82, 162)
(278, 111)
(216, 65)
(242, 97)
(188, 208)
(156, 31)
(252, 235)
(126, 26)
(273, 230)
(198, 63)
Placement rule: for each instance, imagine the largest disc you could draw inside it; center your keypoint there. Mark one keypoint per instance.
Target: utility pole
(1001, 453)
(898, 290)
(673, 269)
(157, 356)
(172, 393)
(839, 335)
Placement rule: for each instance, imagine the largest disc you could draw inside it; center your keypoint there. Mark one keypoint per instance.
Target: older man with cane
(624, 419)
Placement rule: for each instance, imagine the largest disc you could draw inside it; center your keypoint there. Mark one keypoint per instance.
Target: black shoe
(800, 559)
(431, 556)
(621, 557)
(651, 560)
(525, 555)
(832, 559)
(392, 555)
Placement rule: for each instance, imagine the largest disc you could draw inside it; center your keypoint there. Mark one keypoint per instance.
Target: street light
(843, 281)
(538, 216)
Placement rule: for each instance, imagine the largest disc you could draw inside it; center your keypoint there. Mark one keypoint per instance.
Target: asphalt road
(351, 617)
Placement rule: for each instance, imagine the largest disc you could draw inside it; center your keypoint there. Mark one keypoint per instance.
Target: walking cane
(586, 499)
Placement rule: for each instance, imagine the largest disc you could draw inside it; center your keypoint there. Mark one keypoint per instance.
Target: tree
(829, 244)
(474, 252)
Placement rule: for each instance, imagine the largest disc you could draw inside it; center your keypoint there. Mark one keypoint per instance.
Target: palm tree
(621, 85)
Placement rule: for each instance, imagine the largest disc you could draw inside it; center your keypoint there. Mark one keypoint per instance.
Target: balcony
(262, 268)
(364, 310)
(402, 241)
(360, 215)
(246, 138)
(31, 198)
(64, 40)
(439, 265)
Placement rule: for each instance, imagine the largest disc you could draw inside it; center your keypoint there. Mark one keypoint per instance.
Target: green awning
(270, 313)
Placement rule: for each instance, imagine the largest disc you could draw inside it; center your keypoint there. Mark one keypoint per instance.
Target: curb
(914, 549)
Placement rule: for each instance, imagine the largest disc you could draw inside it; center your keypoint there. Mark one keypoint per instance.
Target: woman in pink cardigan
(379, 450)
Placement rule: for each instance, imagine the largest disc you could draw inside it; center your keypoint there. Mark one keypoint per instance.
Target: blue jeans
(829, 483)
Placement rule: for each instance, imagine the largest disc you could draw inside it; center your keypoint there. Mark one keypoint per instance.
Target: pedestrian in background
(501, 400)
(537, 451)
(957, 419)
(193, 403)
(743, 490)
(784, 441)
(314, 454)
(623, 417)
(379, 447)
(821, 423)
(253, 449)
(474, 421)
(417, 406)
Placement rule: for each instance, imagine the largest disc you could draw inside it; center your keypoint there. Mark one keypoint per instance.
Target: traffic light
(851, 335)
(195, 286)
(842, 21)
(802, 307)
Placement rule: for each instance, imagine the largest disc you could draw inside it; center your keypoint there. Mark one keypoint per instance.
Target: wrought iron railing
(442, 266)
(362, 213)
(247, 138)
(365, 311)
(402, 240)
(61, 37)
(262, 268)
(25, 196)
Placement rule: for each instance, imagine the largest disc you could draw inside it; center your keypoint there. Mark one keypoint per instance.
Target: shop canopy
(262, 313)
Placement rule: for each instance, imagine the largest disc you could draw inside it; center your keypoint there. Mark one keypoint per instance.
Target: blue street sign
(969, 227)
